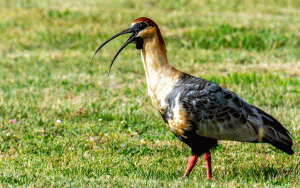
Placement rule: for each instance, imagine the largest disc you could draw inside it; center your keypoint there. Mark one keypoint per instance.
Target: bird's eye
(142, 25)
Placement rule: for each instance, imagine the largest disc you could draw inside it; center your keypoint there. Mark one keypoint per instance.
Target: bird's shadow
(276, 175)
(269, 171)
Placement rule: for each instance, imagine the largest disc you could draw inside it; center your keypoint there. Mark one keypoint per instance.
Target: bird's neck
(159, 72)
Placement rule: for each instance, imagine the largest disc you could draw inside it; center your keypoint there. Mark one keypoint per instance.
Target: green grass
(110, 134)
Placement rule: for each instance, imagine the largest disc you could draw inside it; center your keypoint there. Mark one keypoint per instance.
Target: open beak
(132, 29)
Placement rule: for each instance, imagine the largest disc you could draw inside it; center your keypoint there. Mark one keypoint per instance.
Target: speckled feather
(216, 113)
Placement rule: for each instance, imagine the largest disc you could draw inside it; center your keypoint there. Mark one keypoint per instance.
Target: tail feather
(286, 148)
(275, 134)
(280, 140)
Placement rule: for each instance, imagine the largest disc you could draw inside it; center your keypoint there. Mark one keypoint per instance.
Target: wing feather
(221, 114)
(216, 113)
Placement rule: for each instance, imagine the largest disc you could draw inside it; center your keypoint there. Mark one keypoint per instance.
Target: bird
(198, 112)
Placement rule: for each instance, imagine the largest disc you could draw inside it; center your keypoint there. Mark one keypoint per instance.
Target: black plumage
(216, 113)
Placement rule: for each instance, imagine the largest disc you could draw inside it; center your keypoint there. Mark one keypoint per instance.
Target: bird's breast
(165, 98)
(177, 119)
(168, 104)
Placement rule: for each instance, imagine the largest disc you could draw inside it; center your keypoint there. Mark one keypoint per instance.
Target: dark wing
(218, 113)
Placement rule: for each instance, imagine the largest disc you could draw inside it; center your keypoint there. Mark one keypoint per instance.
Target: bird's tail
(281, 140)
(274, 133)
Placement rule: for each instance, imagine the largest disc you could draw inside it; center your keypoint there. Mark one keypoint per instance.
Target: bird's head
(142, 30)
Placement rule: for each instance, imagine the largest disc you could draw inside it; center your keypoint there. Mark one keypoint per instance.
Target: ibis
(198, 112)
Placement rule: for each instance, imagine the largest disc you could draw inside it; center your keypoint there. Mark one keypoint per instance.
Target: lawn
(64, 123)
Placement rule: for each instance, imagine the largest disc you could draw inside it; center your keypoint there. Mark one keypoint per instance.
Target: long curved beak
(131, 39)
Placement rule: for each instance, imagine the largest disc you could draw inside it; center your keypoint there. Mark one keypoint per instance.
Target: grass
(110, 135)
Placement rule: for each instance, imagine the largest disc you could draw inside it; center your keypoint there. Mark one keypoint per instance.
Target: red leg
(207, 159)
(191, 163)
